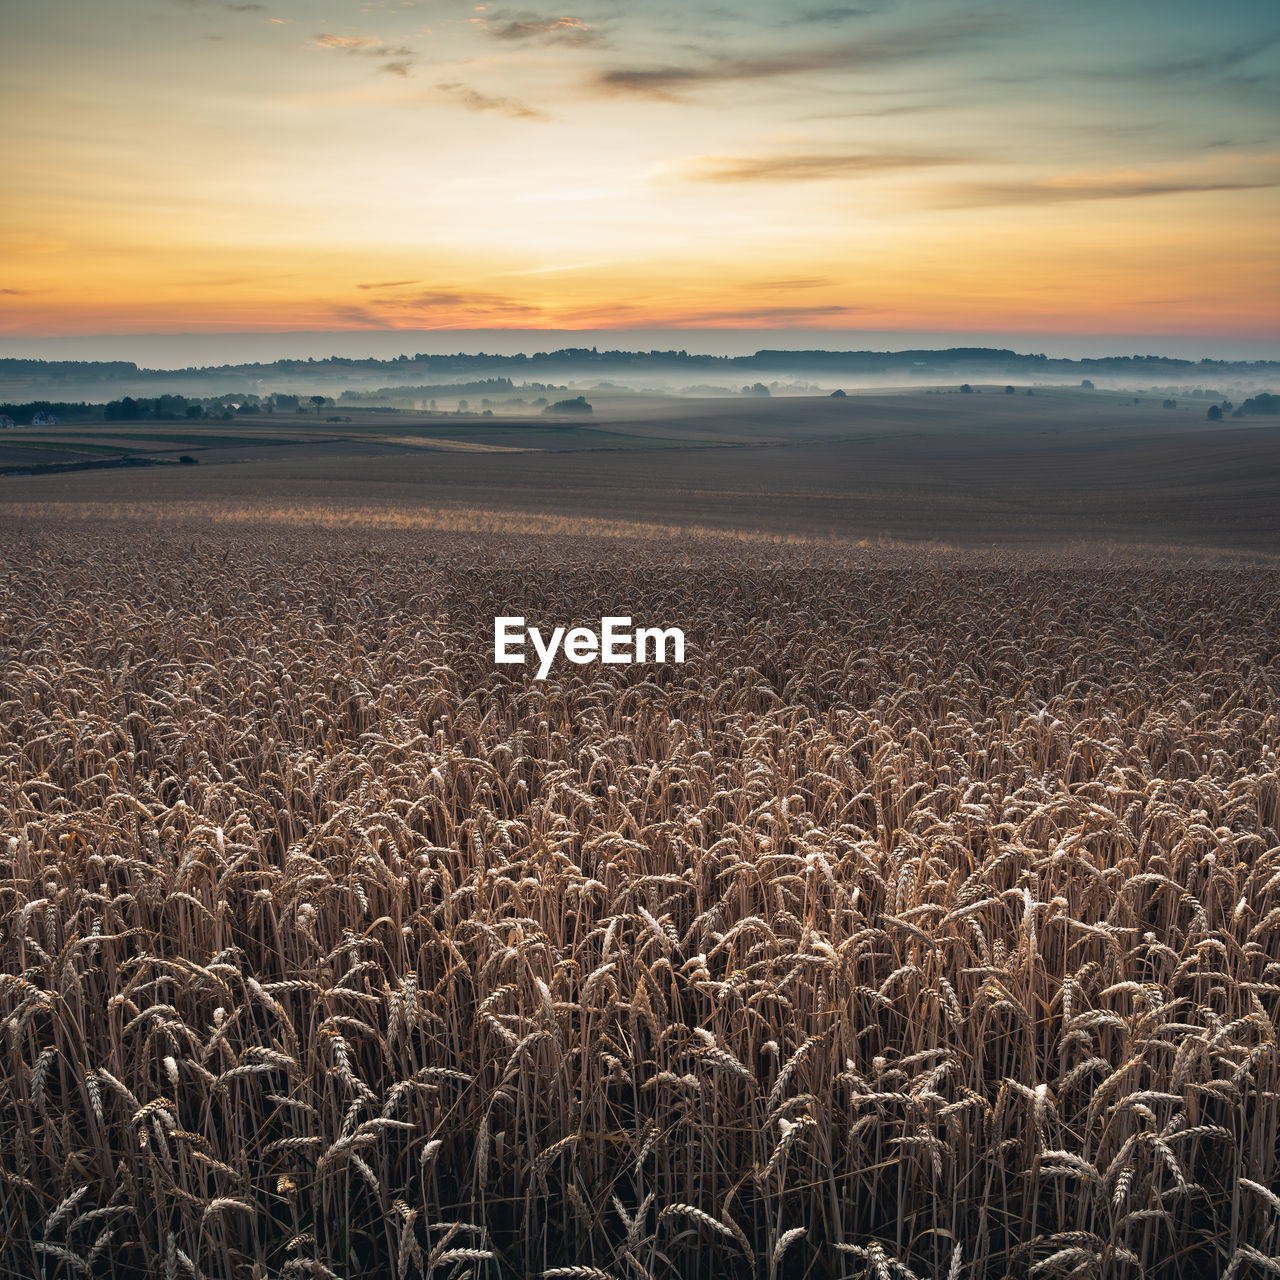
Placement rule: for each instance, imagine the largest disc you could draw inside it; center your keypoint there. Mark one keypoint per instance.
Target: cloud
(220, 4)
(398, 60)
(767, 316)
(460, 300)
(450, 300)
(504, 24)
(869, 54)
(474, 100)
(800, 282)
(350, 44)
(15, 293)
(802, 168)
(387, 284)
(357, 315)
(1209, 64)
(878, 113)
(829, 14)
(979, 194)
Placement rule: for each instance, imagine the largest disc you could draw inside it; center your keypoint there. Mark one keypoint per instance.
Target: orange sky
(202, 165)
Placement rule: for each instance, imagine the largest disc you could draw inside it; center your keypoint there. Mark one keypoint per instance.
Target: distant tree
(463, 405)
(318, 401)
(433, 406)
(1086, 385)
(577, 405)
(1214, 414)
(187, 460)
(1011, 391)
(837, 394)
(756, 389)
(1169, 404)
(966, 388)
(1266, 402)
(194, 411)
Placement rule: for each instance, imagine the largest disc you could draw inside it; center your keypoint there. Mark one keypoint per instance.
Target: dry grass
(926, 922)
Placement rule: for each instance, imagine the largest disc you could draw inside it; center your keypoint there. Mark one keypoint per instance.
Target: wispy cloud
(15, 293)
(1209, 62)
(504, 24)
(446, 301)
(802, 168)
(468, 300)
(388, 284)
(395, 60)
(831, 14)
(871, 53)
(798, 282)
(979, 194)
(220, 4)
(465, 96)
(768, 316)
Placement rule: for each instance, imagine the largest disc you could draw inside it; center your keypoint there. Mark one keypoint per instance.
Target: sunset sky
(203, 165)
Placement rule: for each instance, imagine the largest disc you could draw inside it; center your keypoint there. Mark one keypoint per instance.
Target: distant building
(43, 419)
(5, 421)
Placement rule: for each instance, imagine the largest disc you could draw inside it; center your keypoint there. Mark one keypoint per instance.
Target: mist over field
(408, 379)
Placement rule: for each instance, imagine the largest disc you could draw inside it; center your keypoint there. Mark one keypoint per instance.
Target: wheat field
(926, 922)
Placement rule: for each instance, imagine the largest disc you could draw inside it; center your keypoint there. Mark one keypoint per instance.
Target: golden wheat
(926, 922)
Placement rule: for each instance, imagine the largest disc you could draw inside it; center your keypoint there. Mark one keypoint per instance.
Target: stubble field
(925, 922)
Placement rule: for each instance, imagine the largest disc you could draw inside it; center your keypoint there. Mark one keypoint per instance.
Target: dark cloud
(1012, 193)
(16, 293)
(869, 54)
(803, 168)
(387, 284)
(565, 29)
(474, 100)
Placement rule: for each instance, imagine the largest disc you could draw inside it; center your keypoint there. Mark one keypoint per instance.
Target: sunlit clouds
(195, 165)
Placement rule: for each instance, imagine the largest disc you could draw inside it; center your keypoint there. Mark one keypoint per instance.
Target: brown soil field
(1047, 471)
